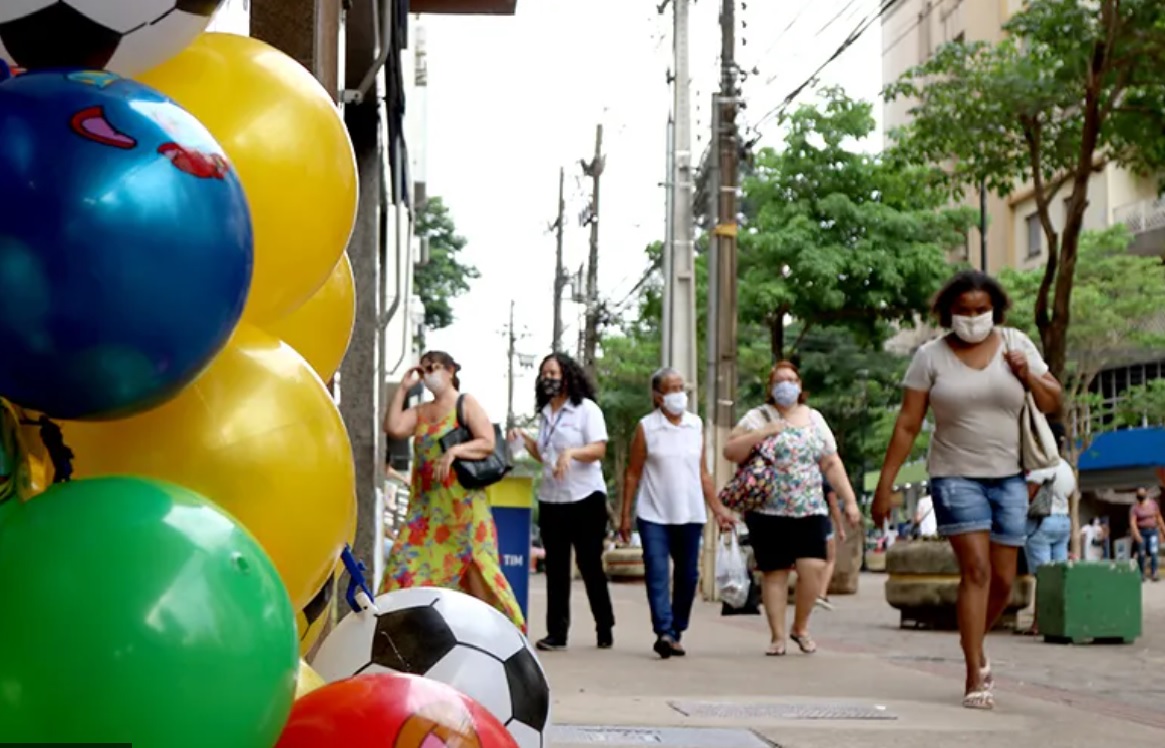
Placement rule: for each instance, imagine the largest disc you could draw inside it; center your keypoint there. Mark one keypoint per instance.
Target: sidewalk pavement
(870, 685)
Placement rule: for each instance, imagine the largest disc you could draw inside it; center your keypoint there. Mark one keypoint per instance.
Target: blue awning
(1124, 450)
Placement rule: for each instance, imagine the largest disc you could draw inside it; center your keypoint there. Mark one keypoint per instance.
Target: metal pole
(510, 376)
(591, 341)
(724, 234)
(712, 302)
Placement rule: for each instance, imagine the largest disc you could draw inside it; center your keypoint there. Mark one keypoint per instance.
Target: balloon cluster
(176, 483)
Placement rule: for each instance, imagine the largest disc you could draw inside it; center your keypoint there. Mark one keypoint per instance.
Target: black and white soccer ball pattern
(126, 36)
(449, 637)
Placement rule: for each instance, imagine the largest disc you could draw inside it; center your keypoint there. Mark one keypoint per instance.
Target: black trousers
(583, 525)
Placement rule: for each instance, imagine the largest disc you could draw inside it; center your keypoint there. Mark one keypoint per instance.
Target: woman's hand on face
(563, 464)
(445, 465)
(412, 377)
(1017, 360)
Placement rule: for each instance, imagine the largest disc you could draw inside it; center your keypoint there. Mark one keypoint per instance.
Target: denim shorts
(998, 505)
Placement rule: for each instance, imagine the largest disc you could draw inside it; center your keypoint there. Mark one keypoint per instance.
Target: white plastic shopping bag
(732, 572)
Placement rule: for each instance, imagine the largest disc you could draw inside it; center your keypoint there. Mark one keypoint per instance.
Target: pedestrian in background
(1147, 527)
(974, 380)
(668, 484)
(572, 497)
(789, 530)
(834, 536)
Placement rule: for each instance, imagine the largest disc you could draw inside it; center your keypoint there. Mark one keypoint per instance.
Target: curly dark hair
(575, 383)
(963, 282)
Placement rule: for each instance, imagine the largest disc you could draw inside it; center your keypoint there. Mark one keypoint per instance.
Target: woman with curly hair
(572, 498)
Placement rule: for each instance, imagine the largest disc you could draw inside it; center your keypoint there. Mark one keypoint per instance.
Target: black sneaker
(664, 646)
(550, 644)
(606, 639)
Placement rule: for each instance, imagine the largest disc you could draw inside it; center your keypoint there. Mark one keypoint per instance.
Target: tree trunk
(777, 334)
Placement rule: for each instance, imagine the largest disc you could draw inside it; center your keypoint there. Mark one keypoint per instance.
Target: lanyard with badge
(549, 457)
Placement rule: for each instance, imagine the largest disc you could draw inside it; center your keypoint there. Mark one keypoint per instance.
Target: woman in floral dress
(449, 539)
(790, 530)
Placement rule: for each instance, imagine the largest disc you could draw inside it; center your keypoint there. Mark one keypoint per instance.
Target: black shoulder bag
(473, 474)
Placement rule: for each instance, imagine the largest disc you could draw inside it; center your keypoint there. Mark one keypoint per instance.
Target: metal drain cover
(762, 710)
(665, 737)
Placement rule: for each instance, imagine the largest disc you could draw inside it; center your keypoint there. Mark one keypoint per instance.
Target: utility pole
(724, 236)
(510, 374)
(594, 170)
(559, 273)
(680, 263)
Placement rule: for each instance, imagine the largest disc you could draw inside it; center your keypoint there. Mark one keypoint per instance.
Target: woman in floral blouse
(449, 538)
(790, 530)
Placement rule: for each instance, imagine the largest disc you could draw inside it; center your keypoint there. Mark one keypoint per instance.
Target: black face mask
(549, 387)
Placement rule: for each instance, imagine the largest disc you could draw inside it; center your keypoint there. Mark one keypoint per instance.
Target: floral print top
(795, 454)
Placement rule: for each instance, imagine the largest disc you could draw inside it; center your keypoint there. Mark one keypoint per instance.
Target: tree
(838, 237)
(1074, 85)
(444, 277)
(1116, 319)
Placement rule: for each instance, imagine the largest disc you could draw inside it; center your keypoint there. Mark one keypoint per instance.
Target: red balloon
(391, 710)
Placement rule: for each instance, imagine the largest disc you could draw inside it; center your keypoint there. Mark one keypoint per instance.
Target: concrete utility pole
(669, 189)
(559, 273)
(680, 278)
(594, 170)
(724, 236)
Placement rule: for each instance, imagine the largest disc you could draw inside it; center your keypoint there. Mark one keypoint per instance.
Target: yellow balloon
(286, 139)
(307, 680)
(321, 329)
(312, 618)
(259, 435)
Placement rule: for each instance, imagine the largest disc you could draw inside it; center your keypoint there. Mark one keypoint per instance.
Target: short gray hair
(662, 374)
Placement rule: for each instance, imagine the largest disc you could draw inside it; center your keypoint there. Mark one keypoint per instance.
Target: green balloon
(136, 611)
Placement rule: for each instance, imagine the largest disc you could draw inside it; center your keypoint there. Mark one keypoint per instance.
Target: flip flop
(980, 700)
(805, 642)
(776, 649)
(987, 677)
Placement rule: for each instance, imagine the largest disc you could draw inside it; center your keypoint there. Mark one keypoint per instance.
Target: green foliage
(1142, 405)
(839, 237)
(1115, 311)
(1073, 82)
(444, 277)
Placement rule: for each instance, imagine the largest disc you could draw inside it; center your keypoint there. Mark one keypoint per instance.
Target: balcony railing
(1146, 215)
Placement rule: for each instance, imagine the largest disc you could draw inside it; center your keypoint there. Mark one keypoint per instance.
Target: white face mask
(435, 383)
(973, 329)
(675, 402)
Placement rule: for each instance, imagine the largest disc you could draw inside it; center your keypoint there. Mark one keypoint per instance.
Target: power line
(769, 81)
(856, 34)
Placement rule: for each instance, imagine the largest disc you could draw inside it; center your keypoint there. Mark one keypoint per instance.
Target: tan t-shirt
(976, 412)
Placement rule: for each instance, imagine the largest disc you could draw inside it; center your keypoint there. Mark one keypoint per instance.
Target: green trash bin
(1091, 601)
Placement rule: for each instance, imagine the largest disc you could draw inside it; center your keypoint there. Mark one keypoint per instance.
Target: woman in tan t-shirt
(974, 381)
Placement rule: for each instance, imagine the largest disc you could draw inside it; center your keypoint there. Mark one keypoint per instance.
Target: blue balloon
(125, 245)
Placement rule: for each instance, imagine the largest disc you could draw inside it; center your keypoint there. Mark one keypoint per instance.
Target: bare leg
(1003, 560)
(474, 584)
(811, 571)
(776, 601)
(830, 565)
(974, 554)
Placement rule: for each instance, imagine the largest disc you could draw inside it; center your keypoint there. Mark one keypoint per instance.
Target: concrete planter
(923, 585)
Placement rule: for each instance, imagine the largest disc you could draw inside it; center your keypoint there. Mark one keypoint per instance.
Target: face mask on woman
(675, 402)
(549, 387)
(435, 383)
(973, 329)
(786, 394)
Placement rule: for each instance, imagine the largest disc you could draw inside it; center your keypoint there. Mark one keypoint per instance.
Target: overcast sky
(512, 99)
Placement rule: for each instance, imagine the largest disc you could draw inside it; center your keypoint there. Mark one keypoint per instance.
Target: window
(1035, 236)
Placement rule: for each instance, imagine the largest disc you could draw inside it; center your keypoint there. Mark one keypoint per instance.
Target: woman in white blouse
(572, 498)
(668, 483)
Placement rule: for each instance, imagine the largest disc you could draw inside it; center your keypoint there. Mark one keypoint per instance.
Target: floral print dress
(448, 530)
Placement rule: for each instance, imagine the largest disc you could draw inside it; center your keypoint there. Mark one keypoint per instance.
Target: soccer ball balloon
(125, 36)
(449, 637)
